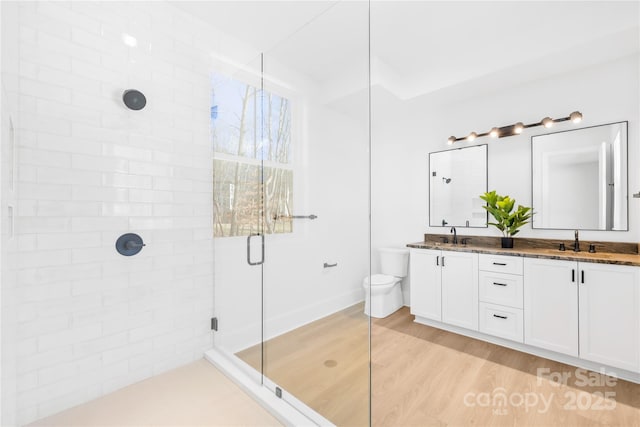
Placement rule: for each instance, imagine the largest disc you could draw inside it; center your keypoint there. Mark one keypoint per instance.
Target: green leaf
(508, 220)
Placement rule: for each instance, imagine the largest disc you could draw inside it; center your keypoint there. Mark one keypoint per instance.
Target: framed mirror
(579, 179)
(457, 179)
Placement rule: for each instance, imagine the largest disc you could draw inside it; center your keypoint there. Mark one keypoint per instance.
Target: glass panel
(316, 335)
(236, 115)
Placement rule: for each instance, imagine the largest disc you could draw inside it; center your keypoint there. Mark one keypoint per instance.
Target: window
(250, 127)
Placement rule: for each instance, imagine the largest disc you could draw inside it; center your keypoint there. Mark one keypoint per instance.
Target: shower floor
(426, 376)
(193, 395)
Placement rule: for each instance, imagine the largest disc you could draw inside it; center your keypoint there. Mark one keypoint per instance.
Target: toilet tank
(394, 261)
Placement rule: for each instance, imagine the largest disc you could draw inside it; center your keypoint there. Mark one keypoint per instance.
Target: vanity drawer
(500, 321)
(500, 263)
(501, 288)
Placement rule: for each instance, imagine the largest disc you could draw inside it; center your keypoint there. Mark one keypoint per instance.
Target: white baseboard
(249, 334)
(286, 322)
(525, 348)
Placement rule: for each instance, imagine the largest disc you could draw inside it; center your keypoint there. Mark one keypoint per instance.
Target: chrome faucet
(455, 235)
(576, 243)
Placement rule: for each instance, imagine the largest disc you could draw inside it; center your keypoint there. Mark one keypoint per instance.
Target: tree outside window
(250, 127)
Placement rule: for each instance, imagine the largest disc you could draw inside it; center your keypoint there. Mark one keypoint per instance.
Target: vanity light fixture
(517, 128)
(575, 117)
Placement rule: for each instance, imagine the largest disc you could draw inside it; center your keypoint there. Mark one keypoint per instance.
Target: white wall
(8, 197)
(298, 289)
(410, 130)
(88, 319)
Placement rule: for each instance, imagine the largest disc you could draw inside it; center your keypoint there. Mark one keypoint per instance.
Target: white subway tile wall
(89, 320)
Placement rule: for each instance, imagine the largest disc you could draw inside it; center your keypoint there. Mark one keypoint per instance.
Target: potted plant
(508, 220)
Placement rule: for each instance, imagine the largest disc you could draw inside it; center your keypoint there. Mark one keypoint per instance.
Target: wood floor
(322, 362)
(423, 376)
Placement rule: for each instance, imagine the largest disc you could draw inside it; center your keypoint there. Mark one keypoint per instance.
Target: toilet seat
(381, 281)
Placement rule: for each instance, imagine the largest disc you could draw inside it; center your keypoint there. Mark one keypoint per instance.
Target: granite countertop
(569, 255)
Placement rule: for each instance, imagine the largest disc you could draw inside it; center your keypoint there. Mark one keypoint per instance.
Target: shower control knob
(129, 244)
(133, 245)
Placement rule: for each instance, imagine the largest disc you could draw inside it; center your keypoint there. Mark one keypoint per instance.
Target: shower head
(134, 99)
(446, 180)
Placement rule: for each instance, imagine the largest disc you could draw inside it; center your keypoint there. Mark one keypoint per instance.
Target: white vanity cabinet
(426, 289)
(579, 312)
(444, 286)
(583, 309)
(501, 296)
(460, 289)
(609, 313)
(551, 305)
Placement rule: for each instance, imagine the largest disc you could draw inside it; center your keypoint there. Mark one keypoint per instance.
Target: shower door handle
(249, 249)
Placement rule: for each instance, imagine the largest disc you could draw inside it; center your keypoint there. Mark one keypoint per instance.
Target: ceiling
(427, 47)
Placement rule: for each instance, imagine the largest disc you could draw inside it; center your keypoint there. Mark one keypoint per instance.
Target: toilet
(386, 291)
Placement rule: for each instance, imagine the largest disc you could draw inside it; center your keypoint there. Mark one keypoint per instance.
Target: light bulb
(547, 122)
(472, 136)
(576, 117)
(518, 128)
(494, 132)
(451, 140)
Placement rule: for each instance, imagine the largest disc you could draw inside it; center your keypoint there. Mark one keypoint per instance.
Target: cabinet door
(460, 289)
(425, 288)
(551, 304)
(610, 315)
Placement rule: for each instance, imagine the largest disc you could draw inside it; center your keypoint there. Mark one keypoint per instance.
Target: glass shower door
(291, 165)
(315, 350)
(236, 117)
